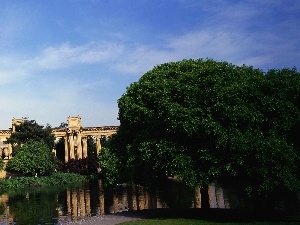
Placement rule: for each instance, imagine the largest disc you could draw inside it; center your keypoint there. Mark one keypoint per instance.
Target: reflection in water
(55, 206)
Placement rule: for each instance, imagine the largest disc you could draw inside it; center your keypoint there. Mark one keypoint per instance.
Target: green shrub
(1, 165)
(32, 158)
(55, 179)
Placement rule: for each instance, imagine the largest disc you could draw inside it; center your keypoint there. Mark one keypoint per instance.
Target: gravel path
(111, 219)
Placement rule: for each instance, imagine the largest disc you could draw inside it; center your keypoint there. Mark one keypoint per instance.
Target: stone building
(74, 136)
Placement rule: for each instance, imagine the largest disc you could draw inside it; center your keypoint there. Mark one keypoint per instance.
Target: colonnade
(76, 145)
(74, 135)
(217, 197)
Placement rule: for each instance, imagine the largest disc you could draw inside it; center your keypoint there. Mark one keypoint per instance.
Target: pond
(59, 205)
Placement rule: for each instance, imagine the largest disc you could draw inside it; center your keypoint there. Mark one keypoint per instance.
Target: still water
(59, 205)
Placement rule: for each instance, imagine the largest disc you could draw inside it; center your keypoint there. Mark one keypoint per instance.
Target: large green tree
(31, 130)
(202, 120)
(32, 158)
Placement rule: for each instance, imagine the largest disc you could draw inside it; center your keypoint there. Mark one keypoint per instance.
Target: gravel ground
(111, 219)
(215, 215)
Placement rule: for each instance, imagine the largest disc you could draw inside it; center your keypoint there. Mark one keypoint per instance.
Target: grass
(216, 217)
(182, 221)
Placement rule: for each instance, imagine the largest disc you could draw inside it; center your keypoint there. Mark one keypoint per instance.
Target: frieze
(8, 132)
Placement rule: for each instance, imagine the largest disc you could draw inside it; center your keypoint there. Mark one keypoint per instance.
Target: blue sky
(63, 58)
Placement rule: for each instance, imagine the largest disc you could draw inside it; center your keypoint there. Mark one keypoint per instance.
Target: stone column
(101, 197)
(5, 152)
(66, 149)
(212, 196)
(54, 151)
(9, 151)
(74, 203)
(71, 143)
(84, 143)
(220, 198)
(147, 200)
(133, 198)
(140, 198)
(82, 209)
(87, 198)
(197, 203)
(79, 146)
(98, 145)
(69, 204)
(115, 201)
(125, 197)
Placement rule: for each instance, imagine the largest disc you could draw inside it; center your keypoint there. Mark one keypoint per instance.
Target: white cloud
(51, 103)
(240, 33)
(208, 43)
(65, 55)
(204, 43)
(11, 75)
(141, 58)
(17, 67)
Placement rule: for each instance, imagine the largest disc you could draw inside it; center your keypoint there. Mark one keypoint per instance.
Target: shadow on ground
(217, 215)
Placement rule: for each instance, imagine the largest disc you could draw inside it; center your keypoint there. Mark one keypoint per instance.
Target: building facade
(74, 136)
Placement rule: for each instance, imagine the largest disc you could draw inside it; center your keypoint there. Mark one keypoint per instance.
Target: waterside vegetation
(55, 179)
(33, 164)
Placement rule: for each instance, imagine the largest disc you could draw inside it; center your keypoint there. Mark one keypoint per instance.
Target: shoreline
(216, 215)
(109, 219)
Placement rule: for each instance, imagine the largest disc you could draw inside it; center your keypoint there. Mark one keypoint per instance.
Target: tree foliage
(32, 158)
(91, 146)
(85, 166)
(2, 164)
(110, 166)
(31, 130)
(202, 120)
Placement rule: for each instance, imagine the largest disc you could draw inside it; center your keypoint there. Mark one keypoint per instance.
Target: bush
(55, 179)
(32, 158)
(1, 164)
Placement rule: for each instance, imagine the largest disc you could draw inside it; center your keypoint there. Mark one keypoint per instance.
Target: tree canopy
(203, 120)
(32, 158)
(31, 130)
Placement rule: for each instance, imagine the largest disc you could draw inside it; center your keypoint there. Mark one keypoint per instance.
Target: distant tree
(202, 120)
(92, 159)
(60, 148)
(104, 141)
(31, 130)
(32, 158)
(91, 146)
(60, 144)
(60, 153)
(63, 125)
